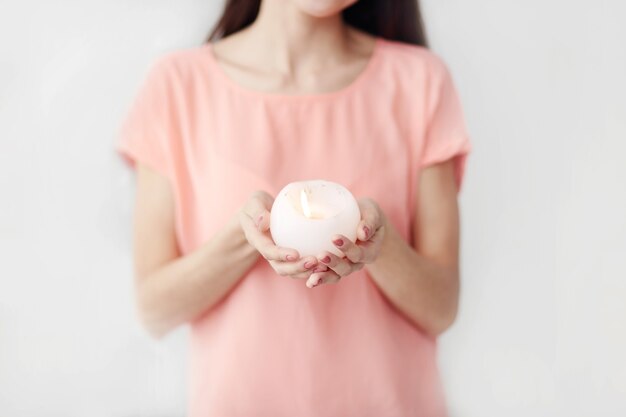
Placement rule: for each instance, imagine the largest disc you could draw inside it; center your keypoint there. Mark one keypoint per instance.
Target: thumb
(257, 209)
(263, 221)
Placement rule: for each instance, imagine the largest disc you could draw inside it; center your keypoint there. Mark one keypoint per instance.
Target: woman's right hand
(254, 218)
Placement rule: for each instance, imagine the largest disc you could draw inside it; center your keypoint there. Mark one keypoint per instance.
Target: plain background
(542, 324)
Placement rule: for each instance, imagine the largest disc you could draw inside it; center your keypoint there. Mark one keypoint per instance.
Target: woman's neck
(288, 51)
(294, 39)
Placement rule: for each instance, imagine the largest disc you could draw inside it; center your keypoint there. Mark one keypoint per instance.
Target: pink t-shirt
(274, 347)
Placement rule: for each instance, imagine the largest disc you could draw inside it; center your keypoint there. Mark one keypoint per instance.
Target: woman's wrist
(233, 238)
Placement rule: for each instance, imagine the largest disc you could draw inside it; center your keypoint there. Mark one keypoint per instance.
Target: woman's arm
(423, 281)
(170, 289)
(173, 289)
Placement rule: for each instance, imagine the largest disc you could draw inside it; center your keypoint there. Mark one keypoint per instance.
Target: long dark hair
(399, 20)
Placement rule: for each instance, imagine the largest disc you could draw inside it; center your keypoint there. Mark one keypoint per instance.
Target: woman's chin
(324, 8)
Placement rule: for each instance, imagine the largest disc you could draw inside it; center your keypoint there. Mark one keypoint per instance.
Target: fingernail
(320, 268)
(366, 231)
(309, 264)
(326, 259)
(259, 220)
(290, 258)
(319, 281)
(338, 242)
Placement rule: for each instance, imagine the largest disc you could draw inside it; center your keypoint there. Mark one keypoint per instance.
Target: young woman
(288, 90)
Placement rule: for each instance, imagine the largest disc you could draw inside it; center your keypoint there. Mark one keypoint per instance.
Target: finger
(263, 221)
(302, 275)
(341, 266)
(320, 268)
(263, 197)
(305, 264)
(317, 278)
(352, 251)
(264, 244)
(258, 209)
(371, 248)
(307, 274)
(280, 270)
(370, 219)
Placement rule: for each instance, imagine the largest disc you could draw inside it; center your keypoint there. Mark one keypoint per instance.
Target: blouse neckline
(361, 78)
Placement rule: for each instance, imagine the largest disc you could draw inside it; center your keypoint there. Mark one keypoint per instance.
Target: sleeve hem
(132, 157)
(458, 152)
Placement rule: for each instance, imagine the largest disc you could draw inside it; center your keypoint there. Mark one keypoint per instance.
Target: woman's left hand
(370, 234)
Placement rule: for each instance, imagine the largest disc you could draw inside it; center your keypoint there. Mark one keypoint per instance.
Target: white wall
(542, 325)
(542, 330)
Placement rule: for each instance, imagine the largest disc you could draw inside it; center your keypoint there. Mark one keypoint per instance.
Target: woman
(290, 90)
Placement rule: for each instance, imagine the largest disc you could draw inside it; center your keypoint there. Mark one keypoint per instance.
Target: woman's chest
(237, 149)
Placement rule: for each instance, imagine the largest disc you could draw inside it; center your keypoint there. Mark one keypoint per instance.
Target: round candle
(306, 215)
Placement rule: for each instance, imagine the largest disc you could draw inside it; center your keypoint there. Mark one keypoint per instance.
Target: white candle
(306, 215)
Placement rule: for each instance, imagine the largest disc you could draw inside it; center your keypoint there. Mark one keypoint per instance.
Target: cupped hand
(370, 234)
(254, 218)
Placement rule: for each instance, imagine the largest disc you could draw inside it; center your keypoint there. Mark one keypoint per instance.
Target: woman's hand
(254, 218)
(370, 234)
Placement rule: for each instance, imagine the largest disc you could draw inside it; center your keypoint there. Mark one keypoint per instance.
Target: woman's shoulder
(179, 64)
(412, 60)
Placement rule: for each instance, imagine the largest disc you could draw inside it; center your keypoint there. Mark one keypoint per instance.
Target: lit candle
(306, 215)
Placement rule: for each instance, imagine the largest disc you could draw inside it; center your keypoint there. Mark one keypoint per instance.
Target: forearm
(182, 289)
(423, 290)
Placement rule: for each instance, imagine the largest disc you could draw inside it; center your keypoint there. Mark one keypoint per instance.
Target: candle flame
(304, 202)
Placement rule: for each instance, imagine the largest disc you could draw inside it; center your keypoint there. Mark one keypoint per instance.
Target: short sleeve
(145, 132)
(446, 134)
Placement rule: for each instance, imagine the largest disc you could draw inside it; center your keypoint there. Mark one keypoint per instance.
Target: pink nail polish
(326, 259)
(309, 264)
(338, 242)
(366, 231)
(290, 258)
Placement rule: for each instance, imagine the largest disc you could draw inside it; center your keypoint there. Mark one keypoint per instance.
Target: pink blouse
(273, 347)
